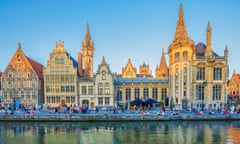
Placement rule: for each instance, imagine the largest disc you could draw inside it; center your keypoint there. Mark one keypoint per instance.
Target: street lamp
(204, 84)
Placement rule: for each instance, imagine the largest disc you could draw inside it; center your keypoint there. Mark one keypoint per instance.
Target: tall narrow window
(155, 93)
(119, 95)
(22, 95)
(185, 56)
(177, 57)
(145, 93)
(199, 92)
(184, 70)
(217, 73)
(136, 92)
(128, 94)
(107, 100)
(72, 99)
(100, 88)
(100, 100)
(200, 73)
(107, 88)
(103, 75)
(216, 92)
(90, 90)
(164, 94)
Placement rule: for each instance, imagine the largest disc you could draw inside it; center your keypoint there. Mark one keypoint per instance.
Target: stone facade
(197, 75)
(22, 82)
(104, 85)
(133, 86)
(129, 89)
(61, 77)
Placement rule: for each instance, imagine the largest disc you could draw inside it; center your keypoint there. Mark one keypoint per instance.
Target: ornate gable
(103, 67)
(21, 63)
(129, 71)
(60, 60)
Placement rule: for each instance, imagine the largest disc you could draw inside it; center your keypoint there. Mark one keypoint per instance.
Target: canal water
(120, 133)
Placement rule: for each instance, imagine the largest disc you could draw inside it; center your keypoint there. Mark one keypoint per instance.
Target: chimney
(80, 72)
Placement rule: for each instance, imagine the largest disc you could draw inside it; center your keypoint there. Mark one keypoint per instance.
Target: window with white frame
(199, 92)
(217, 73)
(107, 88)
(216, 92)
(100, 100)
(128, 94)
(137, 93)
(155, 93)
(103, 75)
(100, 89)
(145, 93)
(164, 93)
(200, 73)
(90, 90)
(107, 100)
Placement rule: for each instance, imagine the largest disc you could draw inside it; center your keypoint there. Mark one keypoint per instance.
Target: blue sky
(121, 29)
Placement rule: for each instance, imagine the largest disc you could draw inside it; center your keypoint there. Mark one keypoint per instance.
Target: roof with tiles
(38, 68)
(201, 48)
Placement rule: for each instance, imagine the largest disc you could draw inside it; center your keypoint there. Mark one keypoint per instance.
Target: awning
(234, 95)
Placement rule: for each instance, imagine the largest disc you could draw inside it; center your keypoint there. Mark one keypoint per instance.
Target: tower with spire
(161, 71)
(87, 54)
(181, 54)
(208, 41)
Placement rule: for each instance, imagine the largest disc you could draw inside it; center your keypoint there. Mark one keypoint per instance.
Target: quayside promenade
(118, 116)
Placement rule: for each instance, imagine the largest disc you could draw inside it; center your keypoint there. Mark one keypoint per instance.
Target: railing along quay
(115, 117)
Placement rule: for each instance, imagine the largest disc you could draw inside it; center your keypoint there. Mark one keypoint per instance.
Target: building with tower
(87, 55)
(85, 71)
(197, 75)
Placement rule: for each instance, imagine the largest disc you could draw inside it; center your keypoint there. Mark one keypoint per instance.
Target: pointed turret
(87, 42)
(87, 35)
(226, 53)
(163, 63)
(181, 31)
(162, 69)
(103, 61)
(208, 41)
(181, 36)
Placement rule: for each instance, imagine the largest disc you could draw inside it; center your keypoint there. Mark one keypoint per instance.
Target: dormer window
(103, 75)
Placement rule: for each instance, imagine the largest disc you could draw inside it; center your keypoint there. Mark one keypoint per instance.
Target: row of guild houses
(196, 77)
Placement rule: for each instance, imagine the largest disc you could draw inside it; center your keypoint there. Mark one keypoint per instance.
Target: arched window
(107, 88)
(100, 88)
(177, 57)
(185, 56)
(103, 75)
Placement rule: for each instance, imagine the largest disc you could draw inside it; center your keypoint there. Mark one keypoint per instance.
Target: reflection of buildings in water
(137, 132)
(233, 134)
